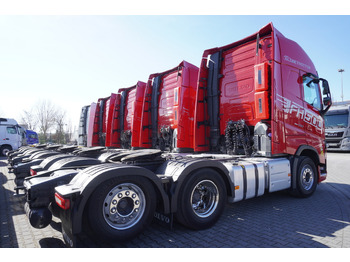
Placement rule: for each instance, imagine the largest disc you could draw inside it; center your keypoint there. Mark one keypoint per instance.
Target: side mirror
(325, 87)
(327, 101)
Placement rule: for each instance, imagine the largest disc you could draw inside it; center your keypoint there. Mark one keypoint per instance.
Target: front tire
(121, 208)
(306, 177)
(5, 149)
(202, 199)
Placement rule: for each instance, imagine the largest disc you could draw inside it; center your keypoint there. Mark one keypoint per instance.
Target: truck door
(312, 103)
(293, 107)
(13, 137)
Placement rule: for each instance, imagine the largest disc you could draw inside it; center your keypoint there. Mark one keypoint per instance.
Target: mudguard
(179, 170)
(41, 190)
(86, 181)
(46, 163)
(41, 155)
(74, 162)
(23, 169)
(69, 163)
(67, 149)
(18, 159)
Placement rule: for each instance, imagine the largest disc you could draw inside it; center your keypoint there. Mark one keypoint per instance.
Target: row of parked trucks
(13, 136)
(180, 146)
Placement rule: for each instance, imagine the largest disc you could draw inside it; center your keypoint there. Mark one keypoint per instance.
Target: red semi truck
(163, 121)
(112, 121)
(131, 102)
(113, 131)
(168, 111)
(258, 127)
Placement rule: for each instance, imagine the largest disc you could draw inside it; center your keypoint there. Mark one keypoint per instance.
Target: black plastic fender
(304, 150)
(44, 154)
(86, 181)
(23, 169)
(48, 162)
(312, 153)
(74, 162)
(181, 170)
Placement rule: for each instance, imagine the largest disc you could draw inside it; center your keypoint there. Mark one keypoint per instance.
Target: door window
(312, 92)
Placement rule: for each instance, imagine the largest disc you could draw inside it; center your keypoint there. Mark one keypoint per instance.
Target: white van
(11, 135)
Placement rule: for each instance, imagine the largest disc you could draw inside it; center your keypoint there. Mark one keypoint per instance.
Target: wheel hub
(204, 198)
(307, 178)
(124, 206)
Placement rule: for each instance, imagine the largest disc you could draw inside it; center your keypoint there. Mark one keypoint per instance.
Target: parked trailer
(258, 128)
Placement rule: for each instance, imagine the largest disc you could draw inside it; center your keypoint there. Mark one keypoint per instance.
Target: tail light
(62, 202)
(32, 172)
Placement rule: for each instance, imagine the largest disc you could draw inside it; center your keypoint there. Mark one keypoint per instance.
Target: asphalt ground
(274, 220)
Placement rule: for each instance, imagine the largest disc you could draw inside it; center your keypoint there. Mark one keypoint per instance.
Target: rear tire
(121, 208)
(201, 200)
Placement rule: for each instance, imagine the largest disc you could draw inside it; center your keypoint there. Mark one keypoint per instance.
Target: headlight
(345, 142)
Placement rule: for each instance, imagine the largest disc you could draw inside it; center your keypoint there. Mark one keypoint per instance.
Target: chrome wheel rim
(124, 206)
(5, 151)
(204, 198)
(307, 177)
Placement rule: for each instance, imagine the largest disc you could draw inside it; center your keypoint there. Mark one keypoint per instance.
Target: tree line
(49, 121)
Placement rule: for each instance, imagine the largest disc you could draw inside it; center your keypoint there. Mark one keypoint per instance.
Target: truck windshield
(11, 130)
(336, 121)
(311, 92)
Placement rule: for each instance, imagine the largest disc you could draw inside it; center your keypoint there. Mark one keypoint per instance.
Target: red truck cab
(168, 111)
(130, 114)
(90, 124)
(270, 83)
(108, 119)
(113, 124)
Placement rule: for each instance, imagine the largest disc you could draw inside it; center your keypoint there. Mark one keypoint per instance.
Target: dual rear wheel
(122, 207)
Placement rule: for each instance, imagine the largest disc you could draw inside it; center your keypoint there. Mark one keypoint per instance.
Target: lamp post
(341, 72)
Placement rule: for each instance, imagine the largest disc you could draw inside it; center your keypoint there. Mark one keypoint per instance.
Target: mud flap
(164, 220)
(294, 166)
